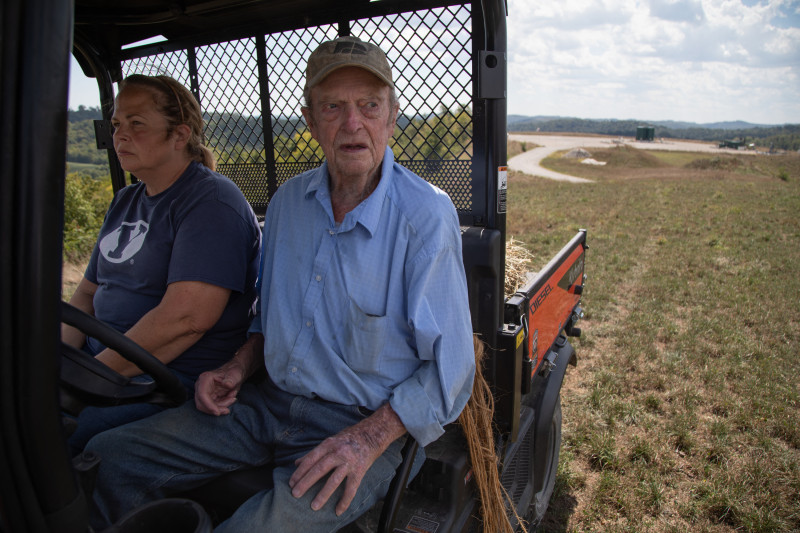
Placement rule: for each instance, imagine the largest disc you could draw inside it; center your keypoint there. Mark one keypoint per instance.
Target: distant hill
(523, 121)
(247, 130)
(84, 113)
(735, 125)
(783, 137)
(514, 119)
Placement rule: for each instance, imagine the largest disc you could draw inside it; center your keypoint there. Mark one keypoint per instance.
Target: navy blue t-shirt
(199, 229)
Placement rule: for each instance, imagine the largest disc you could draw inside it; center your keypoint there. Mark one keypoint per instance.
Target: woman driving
(176, 259)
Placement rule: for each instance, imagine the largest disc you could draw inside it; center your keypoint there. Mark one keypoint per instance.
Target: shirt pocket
(364, 338)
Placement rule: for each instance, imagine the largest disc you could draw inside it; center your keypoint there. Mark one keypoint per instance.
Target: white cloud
(696, 60)
(688, 11)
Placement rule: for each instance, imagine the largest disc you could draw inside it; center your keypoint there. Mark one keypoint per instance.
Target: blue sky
(688, 60)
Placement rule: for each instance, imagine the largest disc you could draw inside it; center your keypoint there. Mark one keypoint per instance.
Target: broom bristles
(476, 421)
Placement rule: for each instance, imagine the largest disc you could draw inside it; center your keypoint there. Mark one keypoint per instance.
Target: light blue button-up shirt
(374, 309)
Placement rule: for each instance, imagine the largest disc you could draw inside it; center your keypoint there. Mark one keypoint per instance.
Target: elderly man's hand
(347, 456)
(216, 390)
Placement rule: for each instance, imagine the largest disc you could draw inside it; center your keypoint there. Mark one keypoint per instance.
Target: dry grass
(684, 411)
(476, 422)
(71, 275)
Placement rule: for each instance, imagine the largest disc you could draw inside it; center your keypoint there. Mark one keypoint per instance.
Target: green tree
(306, 148)
(82, 146)
(85, 203)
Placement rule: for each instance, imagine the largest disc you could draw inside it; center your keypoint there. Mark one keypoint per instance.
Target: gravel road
(529, 162)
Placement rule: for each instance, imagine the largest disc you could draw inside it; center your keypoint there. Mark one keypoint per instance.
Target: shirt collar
(368, 212)
(373, 205)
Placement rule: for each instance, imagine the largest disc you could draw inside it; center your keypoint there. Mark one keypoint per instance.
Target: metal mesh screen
(229, 91)
(286, 62)
(431, 56)
(173, 64)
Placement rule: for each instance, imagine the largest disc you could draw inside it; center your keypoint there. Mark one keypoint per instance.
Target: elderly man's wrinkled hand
(347, 456)
(216, 390)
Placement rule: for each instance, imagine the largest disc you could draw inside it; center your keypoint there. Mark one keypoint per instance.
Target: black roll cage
(39, 490)
(471, 174)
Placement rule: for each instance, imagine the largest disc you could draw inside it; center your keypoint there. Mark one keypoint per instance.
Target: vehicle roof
(108, 26)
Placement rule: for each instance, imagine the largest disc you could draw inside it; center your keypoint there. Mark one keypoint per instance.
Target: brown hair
(179, 106)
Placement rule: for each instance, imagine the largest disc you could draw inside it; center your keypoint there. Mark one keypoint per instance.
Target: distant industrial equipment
(731, 144)
(645, 133)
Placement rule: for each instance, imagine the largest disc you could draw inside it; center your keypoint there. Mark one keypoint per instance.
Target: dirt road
(529, 162)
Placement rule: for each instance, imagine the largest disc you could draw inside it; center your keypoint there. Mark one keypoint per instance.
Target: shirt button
(294, 369)
(318, 278)
(331, 232)
(308, 324)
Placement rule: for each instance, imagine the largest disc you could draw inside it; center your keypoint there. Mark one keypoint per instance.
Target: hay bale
(518, 265)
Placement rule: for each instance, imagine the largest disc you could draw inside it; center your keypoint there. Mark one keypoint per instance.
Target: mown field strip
(684, 411)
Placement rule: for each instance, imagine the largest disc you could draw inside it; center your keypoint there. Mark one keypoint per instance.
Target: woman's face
(140, 135)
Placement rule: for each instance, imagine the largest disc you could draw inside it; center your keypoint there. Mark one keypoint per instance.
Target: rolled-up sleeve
(441, 328)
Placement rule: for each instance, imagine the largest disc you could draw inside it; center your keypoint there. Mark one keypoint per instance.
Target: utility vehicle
(244, 61)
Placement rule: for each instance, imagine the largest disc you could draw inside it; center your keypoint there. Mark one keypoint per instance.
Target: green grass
(683, 413)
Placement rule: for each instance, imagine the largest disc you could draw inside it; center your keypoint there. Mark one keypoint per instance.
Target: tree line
(239, 138)
(783, 137)
(235, 138)
(446, 134)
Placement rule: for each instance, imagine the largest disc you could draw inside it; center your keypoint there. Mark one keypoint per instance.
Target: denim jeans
(94, 420)
(182, 448)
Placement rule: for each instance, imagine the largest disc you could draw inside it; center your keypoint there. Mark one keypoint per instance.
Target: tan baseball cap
(347, 52)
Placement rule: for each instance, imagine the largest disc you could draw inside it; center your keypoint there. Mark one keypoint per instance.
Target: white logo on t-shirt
(124, 242)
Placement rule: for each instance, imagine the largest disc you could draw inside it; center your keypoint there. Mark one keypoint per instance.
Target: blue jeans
(182, 448)
(94, 420)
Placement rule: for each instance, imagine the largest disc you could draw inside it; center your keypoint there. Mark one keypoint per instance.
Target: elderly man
(363, 327)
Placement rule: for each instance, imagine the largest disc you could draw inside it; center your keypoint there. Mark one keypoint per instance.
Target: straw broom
(476, 418)
(476, 422)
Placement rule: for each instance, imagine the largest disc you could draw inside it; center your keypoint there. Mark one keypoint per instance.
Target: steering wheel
(87, 381)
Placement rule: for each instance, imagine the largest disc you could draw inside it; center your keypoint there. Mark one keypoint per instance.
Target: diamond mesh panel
(228, 77)
(286, 62)
(430, 52)
(173, 64)
(431, 56)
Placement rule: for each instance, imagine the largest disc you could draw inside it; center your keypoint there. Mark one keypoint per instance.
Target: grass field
(683, 413)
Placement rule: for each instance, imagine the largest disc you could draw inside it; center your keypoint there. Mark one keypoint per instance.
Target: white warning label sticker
(502, 188)
(417, 524)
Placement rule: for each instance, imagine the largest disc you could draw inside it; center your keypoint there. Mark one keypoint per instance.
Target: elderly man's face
(352, 118)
